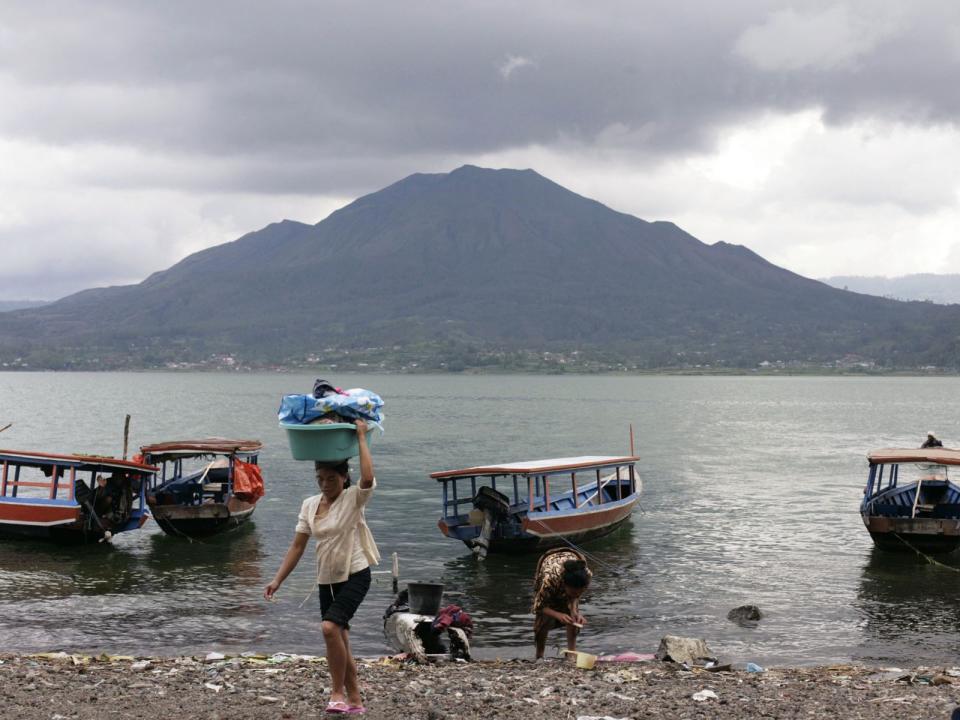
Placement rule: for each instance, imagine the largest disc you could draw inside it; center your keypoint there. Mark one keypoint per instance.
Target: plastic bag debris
(704, 695)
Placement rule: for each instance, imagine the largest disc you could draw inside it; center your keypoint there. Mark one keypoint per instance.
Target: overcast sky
(822, 135)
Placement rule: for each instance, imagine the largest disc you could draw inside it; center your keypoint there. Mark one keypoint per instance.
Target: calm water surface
(751, 488)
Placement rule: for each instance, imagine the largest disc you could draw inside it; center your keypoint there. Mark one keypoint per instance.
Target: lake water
(751, 493)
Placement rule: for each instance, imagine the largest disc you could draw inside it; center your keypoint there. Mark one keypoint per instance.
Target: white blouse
(344, 542)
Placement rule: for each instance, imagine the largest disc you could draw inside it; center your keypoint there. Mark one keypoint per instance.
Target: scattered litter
(887, 675)
(268, 699)
(904, 700)
(531, 701)
(618, 696)
(627, 657)
(621, 676)
(704, 695)
(546, 691)
(215, 688)
(139, 666)
(215, 656)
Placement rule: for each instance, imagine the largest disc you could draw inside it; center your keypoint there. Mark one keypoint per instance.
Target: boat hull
(194, 521)
(542, 531)
(928, 535)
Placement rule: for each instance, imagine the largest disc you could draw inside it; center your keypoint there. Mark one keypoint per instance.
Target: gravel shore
(60, 686)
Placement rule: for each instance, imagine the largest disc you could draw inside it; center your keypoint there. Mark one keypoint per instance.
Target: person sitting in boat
(931, 441)
(345, 552)
(112, 501)
(562, 577)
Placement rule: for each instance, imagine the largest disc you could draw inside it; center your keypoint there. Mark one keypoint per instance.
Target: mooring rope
(926, 557)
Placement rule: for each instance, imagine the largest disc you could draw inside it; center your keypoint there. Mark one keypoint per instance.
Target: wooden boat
(71, 498)
(206, 486)
(910, 501)
(529, 506)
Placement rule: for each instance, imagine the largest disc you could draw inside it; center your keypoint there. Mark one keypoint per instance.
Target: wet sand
(59, 686)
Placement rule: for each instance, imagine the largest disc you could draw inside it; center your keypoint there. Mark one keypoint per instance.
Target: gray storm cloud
(325, 93)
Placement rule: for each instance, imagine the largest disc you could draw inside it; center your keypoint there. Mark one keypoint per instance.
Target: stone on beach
(683, 650)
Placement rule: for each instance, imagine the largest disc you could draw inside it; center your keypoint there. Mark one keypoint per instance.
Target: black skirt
(339, 601)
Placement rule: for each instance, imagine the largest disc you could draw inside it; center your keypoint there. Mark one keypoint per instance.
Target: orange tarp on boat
(247, 481)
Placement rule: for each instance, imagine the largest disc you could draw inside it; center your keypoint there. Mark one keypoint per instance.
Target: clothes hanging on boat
(247, 481)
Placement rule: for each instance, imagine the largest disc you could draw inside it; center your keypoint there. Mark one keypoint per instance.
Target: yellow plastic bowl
(584, 660)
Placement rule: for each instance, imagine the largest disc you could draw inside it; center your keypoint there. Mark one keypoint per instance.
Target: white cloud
(870, 199)
(512, 64)
(831, 38)
(60, 232)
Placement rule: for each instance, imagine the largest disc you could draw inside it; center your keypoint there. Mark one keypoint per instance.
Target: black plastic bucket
(424, 598)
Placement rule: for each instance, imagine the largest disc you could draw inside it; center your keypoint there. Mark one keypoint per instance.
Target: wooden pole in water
(396, 573)
(126, 435)
(632, 453)
(6, 426)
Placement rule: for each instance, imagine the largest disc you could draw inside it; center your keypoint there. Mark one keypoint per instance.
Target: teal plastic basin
(326, 443)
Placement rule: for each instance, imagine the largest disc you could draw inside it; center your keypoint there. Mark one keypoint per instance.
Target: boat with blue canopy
(71, 498)
(533, 505)
(204, 487)
(910, 502)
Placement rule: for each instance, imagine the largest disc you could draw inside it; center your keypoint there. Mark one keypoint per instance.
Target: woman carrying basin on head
(345, 551)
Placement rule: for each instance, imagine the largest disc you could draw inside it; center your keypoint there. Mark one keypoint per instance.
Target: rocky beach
(59, 686)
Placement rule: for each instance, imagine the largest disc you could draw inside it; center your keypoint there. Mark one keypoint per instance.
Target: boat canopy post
(599, 492)
(516, 491)
(54, 478)
(73, 483)
(446, 507)
(916, 497)
(16, 481)
(530, 484)
(546, 493)
(871, 478)
(576, 495)
(3, 481)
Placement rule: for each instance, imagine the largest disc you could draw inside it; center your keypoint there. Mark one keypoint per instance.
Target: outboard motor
(495, 506)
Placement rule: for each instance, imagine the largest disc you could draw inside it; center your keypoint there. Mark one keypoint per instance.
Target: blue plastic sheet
(354, 403)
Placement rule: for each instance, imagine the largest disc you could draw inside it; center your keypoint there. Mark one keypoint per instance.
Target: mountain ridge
(496, 260)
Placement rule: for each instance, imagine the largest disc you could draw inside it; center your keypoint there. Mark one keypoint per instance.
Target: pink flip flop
(356, 710)
(337, 707)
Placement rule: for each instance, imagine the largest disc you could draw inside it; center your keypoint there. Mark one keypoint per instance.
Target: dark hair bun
(575, 574)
